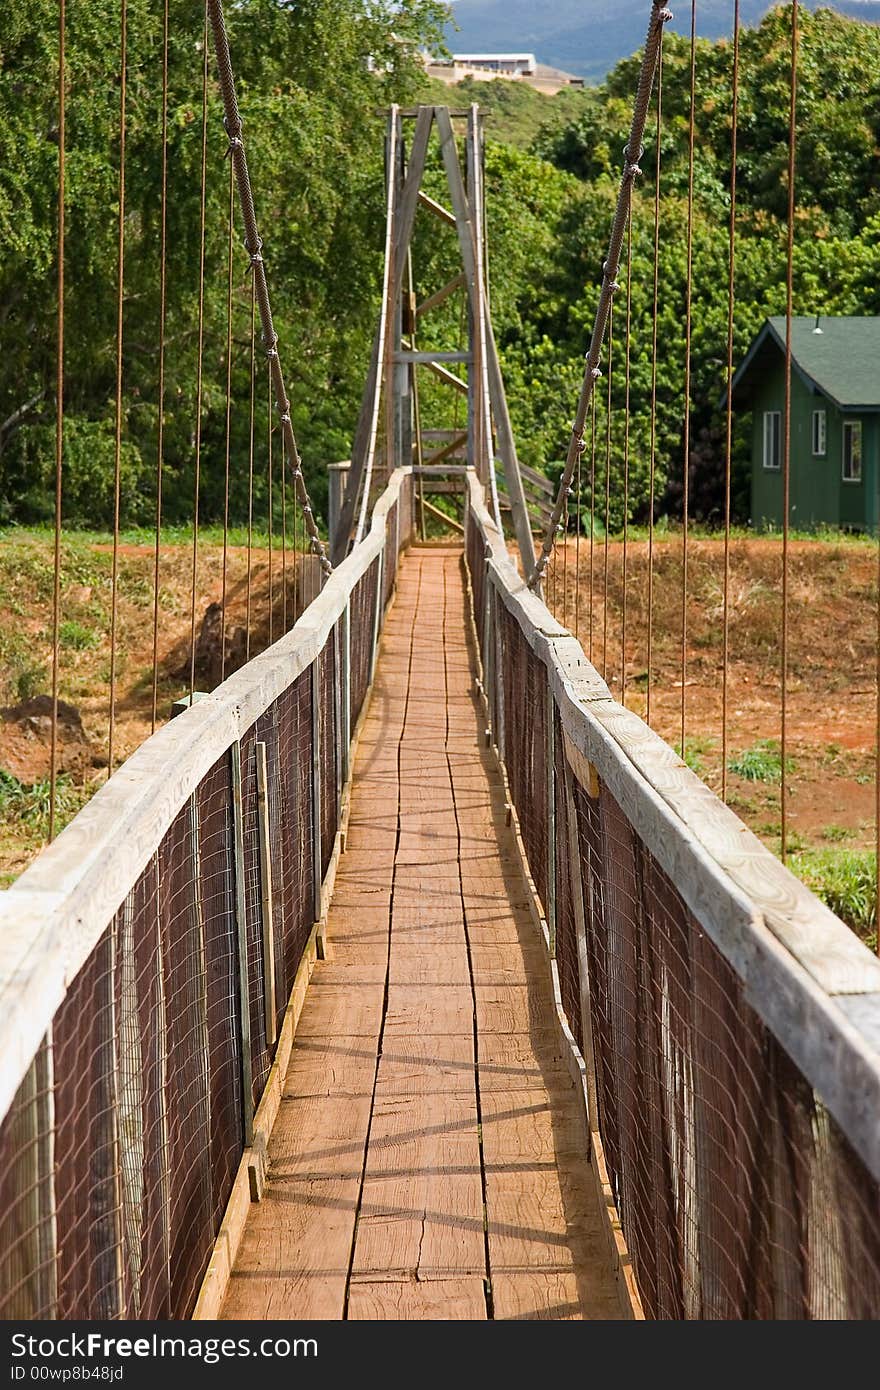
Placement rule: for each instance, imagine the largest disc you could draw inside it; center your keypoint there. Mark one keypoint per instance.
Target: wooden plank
(425, 358)
(442, 516)
(436, 208)
(404, 1300)
(440, 296)
(446, 376)
(419, 1246)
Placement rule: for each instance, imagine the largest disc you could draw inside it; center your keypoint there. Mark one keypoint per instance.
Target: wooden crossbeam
(438, 297)
(437, 208)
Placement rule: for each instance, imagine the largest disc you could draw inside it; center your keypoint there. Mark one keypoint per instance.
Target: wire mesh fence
(121, 1145)
(739, 1194)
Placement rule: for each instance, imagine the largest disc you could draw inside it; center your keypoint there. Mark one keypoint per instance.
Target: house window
(819, 435)
(852, 451)
(772, 433)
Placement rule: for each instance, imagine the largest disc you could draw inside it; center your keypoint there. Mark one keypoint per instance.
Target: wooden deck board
(427, 1161)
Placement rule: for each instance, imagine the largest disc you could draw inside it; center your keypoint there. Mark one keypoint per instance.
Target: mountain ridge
(587, 37)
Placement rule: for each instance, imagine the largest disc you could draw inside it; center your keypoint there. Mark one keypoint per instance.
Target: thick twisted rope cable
(631, 171)
(254, 244)
(385, 315)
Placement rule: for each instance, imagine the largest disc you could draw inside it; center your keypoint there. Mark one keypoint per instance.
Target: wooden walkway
(427, 1160)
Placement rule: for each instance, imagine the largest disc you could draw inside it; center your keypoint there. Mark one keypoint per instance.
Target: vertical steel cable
(608, 409)
(577, 547)
(160, 427)
(117, 454)
(199, 359)
(877, 762)
(728, 445)
(626, 394)
(592, 520)
(59, 406)
(283, 552)
(565, 562)
(251, 409)
(269, 457)
(652, 459)
(786, 446)
(688, 309)
(230, 266)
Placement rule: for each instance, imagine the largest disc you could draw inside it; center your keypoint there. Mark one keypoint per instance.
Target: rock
(208, 649)
(26, 740)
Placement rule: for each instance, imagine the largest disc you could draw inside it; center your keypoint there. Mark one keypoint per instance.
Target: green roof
(843, 361)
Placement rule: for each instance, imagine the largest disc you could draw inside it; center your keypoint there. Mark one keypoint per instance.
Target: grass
(836, 833)
(760, 763)
(29, 805)
(845, 880)
(695, 749)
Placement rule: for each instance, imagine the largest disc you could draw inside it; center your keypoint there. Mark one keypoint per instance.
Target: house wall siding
(818, 494)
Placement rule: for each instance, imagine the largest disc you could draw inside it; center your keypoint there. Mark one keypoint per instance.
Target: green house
(835, 421)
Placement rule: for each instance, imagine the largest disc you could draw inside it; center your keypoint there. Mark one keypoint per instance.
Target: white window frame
(774, 434)
(851, 466)
(820, 434)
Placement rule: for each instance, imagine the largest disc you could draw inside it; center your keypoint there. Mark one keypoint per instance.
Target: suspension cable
(688, 326)
(269, 505)
(786, 455)
(251, 413)
(631, 171)
(160, 426)
(230, 267)
(254, 246)
(117, 448)
(59, 410)
(200, 354)
(728, 446)
(652, 456)
(626, 395)
(609, 403)
(592, 517)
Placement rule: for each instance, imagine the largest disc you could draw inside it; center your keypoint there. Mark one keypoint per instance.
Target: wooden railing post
(345, 686)
(317, 867)
(247, 1081)
(498, 659)
(200, 991)
(550, 905)
(377, 616)
(267, 913)
(581, 927)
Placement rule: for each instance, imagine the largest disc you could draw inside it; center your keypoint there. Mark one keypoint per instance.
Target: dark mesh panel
(738, 1195)
(27, 1269)
(329, 807)
(390, 554)
(525, 703)
(361, 621)
(566, 928)
(294, 922)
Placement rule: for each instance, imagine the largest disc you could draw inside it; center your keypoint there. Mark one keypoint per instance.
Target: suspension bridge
(408, 974)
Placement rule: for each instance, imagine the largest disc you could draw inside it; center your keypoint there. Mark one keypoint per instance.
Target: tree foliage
(313, 77)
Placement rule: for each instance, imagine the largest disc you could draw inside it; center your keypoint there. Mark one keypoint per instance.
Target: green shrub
(846, 880)
(760, 763)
